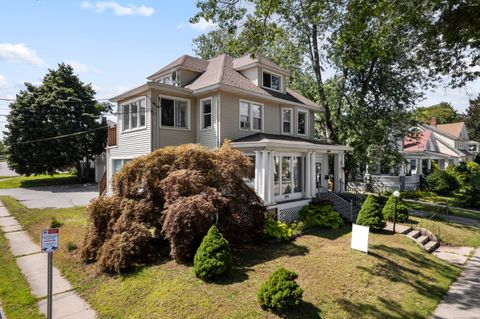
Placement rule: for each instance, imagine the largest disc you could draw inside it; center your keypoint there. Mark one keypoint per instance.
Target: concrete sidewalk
(463, 297)
(33, 264)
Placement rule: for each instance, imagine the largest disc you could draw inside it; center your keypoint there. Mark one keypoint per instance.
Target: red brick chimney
(433, 121)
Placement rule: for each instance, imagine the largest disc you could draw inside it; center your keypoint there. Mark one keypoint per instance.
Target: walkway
(54, 196)
(33, 264)
(463, 298)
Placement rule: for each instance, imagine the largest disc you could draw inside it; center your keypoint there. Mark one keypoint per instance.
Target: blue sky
(114, 45)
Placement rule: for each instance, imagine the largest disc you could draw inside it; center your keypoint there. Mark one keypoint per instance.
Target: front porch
(289, 171)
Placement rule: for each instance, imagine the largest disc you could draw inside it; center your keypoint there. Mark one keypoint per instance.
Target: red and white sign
(50, 241)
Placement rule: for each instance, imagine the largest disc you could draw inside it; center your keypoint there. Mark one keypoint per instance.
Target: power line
(61, 136)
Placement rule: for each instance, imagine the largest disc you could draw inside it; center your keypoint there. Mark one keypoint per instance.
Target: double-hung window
(302, 122)
(287, 121)
(251, 116)
(174, 112)
(118, 164)
(133, 115)
(272, 81)
(206, 113)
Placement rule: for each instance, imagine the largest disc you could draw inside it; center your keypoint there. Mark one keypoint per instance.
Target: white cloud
(81, 67)
(3, 82)
(119, 10)
(202, 25)
(19, 52)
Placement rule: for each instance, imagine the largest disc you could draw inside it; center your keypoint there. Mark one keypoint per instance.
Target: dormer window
(272, 81)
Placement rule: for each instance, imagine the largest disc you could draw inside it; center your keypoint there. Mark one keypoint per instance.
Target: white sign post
(360, 237)
(50, 241)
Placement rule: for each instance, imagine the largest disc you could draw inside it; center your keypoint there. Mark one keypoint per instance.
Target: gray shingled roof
(248, 60)
(185, 62)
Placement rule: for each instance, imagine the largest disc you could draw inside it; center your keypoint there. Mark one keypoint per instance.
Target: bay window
(287, 121)
(133, 114)
(251, 116)
(174, 112)
(302, 122)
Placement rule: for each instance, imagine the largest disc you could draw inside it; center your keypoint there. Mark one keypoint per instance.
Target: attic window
(272, 81)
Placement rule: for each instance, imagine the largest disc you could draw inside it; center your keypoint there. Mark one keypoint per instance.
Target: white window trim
(130, 129)
(276, 74)
(188, 128)
(211, 114)
(291, 120)
(262, 108)
(306, 121)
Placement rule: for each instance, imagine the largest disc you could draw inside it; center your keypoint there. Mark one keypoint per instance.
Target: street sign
(360, 237)
(50, 239)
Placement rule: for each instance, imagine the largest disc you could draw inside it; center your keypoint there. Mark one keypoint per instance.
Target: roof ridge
(222, 67)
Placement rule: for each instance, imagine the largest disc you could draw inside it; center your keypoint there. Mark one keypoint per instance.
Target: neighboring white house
(246, 100)
(442, 144)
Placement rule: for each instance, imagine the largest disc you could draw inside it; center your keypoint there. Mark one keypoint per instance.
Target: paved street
(54, 196)
(5, 171)
(463, 298)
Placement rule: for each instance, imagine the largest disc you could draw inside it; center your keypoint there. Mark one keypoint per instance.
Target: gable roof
(247, 61)
(454, 129)
(185, 62)
(417, 144)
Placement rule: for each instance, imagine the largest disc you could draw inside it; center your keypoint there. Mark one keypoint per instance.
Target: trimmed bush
(213, 257)
(277, 229)
(371, 214)
(389, 210)
(280, 291)
(320, 215)
(442, 182)
(55, 223)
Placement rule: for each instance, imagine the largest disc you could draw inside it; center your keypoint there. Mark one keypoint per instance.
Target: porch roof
(274, 141)
(426, 155)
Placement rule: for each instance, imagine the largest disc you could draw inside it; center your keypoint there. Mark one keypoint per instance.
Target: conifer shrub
(213, 257)
(442, 182)
(320, 215)
(280, 291)
(371, 214)
(278, 230)
(389, 210)
(165, 203)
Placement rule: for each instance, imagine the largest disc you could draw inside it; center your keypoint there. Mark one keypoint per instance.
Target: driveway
(5, 171)
(54, 196)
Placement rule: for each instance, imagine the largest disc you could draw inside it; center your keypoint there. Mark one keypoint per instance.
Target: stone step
(414, 234)
(423, 239)
(431, 246)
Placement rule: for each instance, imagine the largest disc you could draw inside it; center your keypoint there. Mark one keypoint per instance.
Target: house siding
(208, 137)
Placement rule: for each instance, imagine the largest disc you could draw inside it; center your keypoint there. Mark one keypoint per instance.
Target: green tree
(389, 210)
(443, 112)
(472, 119)
(371, 214)
(61, 105)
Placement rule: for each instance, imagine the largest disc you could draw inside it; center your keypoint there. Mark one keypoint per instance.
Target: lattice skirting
(289, 212)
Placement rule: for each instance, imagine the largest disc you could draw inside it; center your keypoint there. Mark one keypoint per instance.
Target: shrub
(71, 246)
(55, 223)
(297, 228)
(280, 291)
(389, 210)
(370, 214)
(442, 183)
(320, 215)
(471, 191)
(213, 257)
(278, 230)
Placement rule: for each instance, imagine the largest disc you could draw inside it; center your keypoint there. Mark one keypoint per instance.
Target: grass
(17, 301)
(396, 279)
(455, 211)
(38, 180)
(450, 234)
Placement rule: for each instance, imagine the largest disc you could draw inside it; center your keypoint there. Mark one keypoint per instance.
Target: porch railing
(344, 207)
(112, 136)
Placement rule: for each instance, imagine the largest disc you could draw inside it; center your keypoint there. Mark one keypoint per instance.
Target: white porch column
(325, 170)
(402, 169)
(420, 167)
(308, 175)
(263, 179)
(258, 163)
(337, 166)
(269, 180)
(313, 175)
(429, 165)
(342, 171)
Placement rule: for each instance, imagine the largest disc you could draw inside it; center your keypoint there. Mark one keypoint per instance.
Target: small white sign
(360, 237)
(50, 239)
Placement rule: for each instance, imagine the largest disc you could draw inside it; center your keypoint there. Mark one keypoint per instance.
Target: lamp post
(396, 194)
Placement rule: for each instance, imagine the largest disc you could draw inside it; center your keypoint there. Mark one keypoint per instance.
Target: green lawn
(17, 301)
(450, 234)
(38, 180)
(455, 211)
(396, 279)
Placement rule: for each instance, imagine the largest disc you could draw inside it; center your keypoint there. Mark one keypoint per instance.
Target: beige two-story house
(245, 100)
